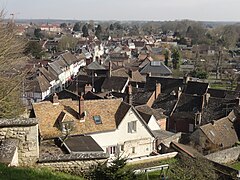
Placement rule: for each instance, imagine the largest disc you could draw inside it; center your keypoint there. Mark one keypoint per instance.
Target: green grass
(17, 173)
(154, 175)
(236, 165)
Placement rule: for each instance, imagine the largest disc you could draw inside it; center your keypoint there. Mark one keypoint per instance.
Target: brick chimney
(55, 99)
(130, 73)
(157, 90)
(130, 96)
(81, 108)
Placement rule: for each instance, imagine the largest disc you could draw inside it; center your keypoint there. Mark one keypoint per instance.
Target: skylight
(97, 119)
(155, 63)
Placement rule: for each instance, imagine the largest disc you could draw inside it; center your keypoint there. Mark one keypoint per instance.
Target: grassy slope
(16, 173)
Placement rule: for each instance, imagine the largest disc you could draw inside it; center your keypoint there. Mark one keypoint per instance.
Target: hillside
(16, 173)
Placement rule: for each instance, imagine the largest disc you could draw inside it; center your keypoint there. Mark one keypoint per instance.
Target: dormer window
(97, 119)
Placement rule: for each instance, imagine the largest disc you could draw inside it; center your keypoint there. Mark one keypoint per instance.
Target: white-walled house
(115, 125)
(132, 138)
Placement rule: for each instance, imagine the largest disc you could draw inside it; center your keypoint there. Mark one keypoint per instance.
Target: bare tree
(11, 69)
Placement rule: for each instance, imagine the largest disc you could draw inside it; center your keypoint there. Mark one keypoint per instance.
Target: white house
(132, 137)
(115, 125)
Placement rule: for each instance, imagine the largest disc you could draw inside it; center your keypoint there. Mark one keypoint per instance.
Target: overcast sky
(211, 10)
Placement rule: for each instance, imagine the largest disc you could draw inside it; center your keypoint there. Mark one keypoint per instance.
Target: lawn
(236, 165)
(16, 173)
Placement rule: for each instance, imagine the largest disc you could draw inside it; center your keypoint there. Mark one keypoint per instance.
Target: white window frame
(132, 127)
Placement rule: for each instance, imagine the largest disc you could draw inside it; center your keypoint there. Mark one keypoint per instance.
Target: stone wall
(76, 164)
(26, 131)
(226, 156)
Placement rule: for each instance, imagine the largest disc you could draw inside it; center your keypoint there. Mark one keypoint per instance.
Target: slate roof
(115, 83)
(81, 144)
(217, 108)
(64, 94)
(189, 103)
(48, 114)
(166, 102)
(167, 84)
(221, 93)
(95, 66)
(123, 72)
(39, 84)
(121, 112)
(55, 66)
(221, 132)
(48, 74)
(156, 68)
(197, 88)
(146, 112)
(69, 58)
(141, 97)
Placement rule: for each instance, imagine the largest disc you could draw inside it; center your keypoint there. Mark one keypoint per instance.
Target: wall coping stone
(72, 157)
(18, 122)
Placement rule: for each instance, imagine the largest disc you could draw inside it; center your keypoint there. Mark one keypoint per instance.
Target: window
(133, 150)
(132, 126)
(97, 119)
(122, 147)
(112, 149)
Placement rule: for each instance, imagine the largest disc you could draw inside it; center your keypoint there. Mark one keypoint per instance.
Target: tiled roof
(189, 103)
(134, 76)
(222, 93)
(140, 98)
(47, 113)
(166, 102)
(48, 74)
(197, 88)
(221, 132)
(121, 112)
(69, 58)
(217, 108)
(157, 113)
(95, 66)
(156, 68)
(64, 94)
(38, 84)
(115, 83)
(167, 84)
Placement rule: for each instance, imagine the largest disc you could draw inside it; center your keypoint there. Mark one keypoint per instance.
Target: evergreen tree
(176, 58)
(114, 171)
(76, 27)
(166, 57)
(111, 27)
(98, 32)
(85, 31)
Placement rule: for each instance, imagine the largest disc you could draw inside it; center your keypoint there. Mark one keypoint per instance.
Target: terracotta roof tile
(48, 114)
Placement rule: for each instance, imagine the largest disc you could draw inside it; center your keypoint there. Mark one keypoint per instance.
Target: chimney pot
(55, 99)
(130, 96)
(157, 90)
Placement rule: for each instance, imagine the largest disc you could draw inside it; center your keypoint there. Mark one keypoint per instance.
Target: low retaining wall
(152, 158)
(75, 164)
(225, 156)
